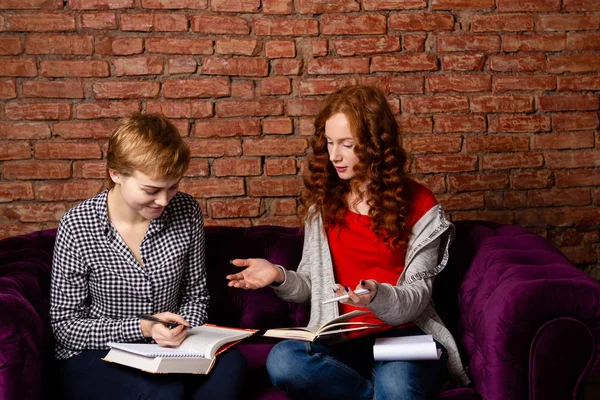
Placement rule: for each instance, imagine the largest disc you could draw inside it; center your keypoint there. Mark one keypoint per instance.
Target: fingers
(171, 317)
(170, 337)
(238, 262)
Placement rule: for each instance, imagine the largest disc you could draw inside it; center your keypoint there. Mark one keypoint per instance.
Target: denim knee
(283, 362)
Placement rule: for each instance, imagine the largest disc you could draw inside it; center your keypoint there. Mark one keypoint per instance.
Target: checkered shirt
(98, 288)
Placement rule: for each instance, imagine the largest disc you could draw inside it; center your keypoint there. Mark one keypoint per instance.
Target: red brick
(275, 86)
(137, 22)
(579, 83)
(8, 89)
(237, 167)
(519, 123)
(68, 191)
(459, 83)
(170, 23)
(10, 45)
(252, 108)
(183, 127)
(179, 46)
(580, 254)
(10, 191)
(374, 5)
(462, 4)
(194, 88)
(280, 49)
(18, 67)
(66, 150)
(501, 22)
(574, 121)
(432, 144)
(215, 148)
(319, 48)
(573, 159)
(463, 62)
(435, 183)
(415, 125)
(303, 107)
(558, 64)
(119, 46)
(234, 208)
(274, 187)
(581, 5)
(319, 86)
(125, 90)
(244, 89)
(37, 111)
(528, 5)
(394, 104)
(568, 103)
(59, 44)
(330, 6)
(501, 103)
(324, 66)
(219, 24)
(24, 130)
(287, 221)
(518, 63)
(449, 163)
(583, 41)
(421, 22)
(100, 4)
(462, 201)
(524, 82)
(106, 109)
(181, 109)
(283, 206)
(366, 45)
(534, 42)
(342, 24)
(277, 126)
(404, 63)
(500, 217)
(33, 212)
(14, 150)
(434, 104)
(31, 4)
(24, 170)
(245, 6)
(496, 144)
(459, 123)
(285, 27)
(84, 129)
(566, 22)
(101, 21)
(73, 68)
(287, 67)
(236, 66)
(280, 166)
(197, 168)
(182, 65)
(277, 6)
(214, 187)
(176, 4)
(396, 84)
(573, 237)
(577, 177)
(505, 200)
(487, 43)
(233, 222)
(306, 126)
(53, 89)
(40, 22)
(275, 147)
(508, 161)
(532, 179)
(151, 65)
(414, 42)
(245, 47)
(227, 128)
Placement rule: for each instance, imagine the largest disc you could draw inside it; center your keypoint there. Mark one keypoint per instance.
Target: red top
(357, 253)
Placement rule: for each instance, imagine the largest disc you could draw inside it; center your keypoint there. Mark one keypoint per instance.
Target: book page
(417, 347)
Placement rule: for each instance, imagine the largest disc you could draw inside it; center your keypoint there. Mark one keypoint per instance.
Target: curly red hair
(380, 168)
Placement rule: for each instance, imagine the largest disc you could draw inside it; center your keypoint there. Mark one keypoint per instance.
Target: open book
(335, 326)
(195, 355)
(407, 348)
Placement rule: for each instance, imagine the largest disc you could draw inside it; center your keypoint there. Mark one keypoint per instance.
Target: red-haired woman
(368, 226)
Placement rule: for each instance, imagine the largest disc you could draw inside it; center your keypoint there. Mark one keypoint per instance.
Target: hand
(259, 273)
(161, 334)
(358, 300)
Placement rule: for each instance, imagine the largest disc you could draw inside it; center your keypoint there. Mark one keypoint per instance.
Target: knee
(283, 360)
(231, 363)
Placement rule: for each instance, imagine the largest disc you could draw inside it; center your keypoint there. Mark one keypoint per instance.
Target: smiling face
(340, 145)
(144, 196)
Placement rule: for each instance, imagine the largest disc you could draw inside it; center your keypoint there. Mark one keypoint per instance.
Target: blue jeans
(86, 376)
(347, 371)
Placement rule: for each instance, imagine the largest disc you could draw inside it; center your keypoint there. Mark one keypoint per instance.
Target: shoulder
(420, 200)
(86, 212)
(183, 205)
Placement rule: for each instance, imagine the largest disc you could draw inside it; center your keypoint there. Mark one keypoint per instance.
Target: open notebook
(196, 354)
(417, 347)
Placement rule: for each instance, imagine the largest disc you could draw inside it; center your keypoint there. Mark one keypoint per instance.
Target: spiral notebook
(195, 355)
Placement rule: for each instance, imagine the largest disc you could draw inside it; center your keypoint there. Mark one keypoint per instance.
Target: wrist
(146, 328)
(280, 278)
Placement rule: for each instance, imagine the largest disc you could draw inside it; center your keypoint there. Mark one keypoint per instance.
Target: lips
(341, 169)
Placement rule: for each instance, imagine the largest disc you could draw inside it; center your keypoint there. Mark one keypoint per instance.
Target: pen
(168, 324)
(344, 297)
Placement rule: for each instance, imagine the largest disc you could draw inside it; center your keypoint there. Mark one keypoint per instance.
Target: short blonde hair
(149, 144)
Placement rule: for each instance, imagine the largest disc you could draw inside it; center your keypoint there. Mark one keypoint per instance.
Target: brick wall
(497, 101)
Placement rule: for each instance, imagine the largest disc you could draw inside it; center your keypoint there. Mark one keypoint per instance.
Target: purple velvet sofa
(527, 322)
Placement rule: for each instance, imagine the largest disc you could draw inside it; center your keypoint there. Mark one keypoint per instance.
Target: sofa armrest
(522, 303)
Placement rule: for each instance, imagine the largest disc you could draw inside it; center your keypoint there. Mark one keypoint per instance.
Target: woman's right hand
(259, 273)
(161, 334)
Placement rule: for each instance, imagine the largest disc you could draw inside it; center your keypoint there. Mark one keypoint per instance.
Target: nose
(162, 199)
(334, 154)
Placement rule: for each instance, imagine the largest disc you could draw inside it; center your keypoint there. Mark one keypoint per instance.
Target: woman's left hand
(358, 300)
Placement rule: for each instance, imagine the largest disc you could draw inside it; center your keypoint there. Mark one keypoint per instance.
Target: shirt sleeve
(193, 292)
(69, 302)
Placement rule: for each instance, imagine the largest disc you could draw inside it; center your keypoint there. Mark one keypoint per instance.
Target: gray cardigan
(409, 300)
